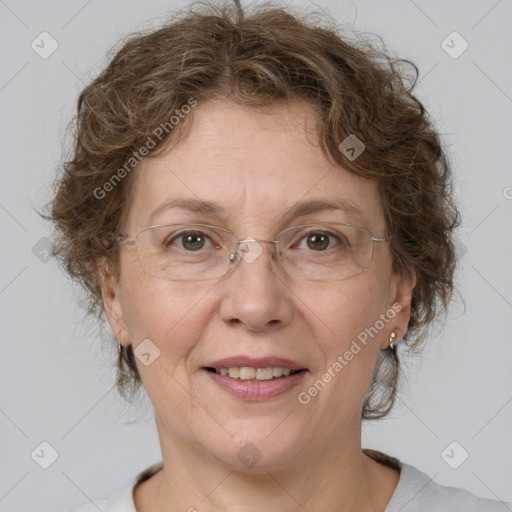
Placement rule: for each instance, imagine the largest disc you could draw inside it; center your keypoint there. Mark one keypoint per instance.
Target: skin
(256, 165)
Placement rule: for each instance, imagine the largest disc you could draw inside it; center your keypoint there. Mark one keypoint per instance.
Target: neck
(338, 478)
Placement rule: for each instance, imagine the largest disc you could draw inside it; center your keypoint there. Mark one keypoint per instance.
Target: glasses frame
(235, 257)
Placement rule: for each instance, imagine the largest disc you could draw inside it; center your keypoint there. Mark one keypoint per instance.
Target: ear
(400, 298)
(111, 295)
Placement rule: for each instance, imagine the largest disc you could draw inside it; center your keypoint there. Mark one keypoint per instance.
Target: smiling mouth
(248, 373)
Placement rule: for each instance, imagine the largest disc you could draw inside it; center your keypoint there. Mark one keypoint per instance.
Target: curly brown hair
(218, 51)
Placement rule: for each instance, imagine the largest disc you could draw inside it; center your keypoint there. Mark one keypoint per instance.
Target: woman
(262, 211)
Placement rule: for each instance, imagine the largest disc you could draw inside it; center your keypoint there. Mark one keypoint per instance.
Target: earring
(392, 336)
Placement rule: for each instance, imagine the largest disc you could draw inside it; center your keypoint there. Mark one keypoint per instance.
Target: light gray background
(57, 381)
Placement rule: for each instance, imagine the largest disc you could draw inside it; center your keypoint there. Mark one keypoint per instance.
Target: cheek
(345, 317)
(345, 310)
(167, 313)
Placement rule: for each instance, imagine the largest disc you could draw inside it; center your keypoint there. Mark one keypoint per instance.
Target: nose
(256, 294)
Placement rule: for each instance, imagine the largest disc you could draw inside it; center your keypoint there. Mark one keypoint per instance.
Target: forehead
(252, 164)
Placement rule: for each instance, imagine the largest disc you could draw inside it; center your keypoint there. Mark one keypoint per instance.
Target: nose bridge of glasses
(249, 248)
(251, 239)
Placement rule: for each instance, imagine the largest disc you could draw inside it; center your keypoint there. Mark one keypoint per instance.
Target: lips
(255, 379)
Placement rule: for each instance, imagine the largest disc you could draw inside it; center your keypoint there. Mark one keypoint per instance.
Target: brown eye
(318, 241)
(193, 242)
(188, 240)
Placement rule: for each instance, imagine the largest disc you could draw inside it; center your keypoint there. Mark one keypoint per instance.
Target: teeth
(277, 372)
(264, 374)
(249, 373)
(234, 372)
(246, 373)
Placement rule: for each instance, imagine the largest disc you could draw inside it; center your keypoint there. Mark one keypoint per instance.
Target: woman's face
(255, 167)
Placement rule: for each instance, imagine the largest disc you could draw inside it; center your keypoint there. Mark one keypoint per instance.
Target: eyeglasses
(198, 252)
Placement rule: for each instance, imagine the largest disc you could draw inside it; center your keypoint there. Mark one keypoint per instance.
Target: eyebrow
(298, 210)
(308, 207)
(194, 205)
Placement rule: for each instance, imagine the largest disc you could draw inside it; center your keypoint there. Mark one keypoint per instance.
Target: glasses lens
(185, 252)
(326, 252)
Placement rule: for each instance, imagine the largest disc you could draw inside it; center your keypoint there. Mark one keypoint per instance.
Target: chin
(258, 447)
